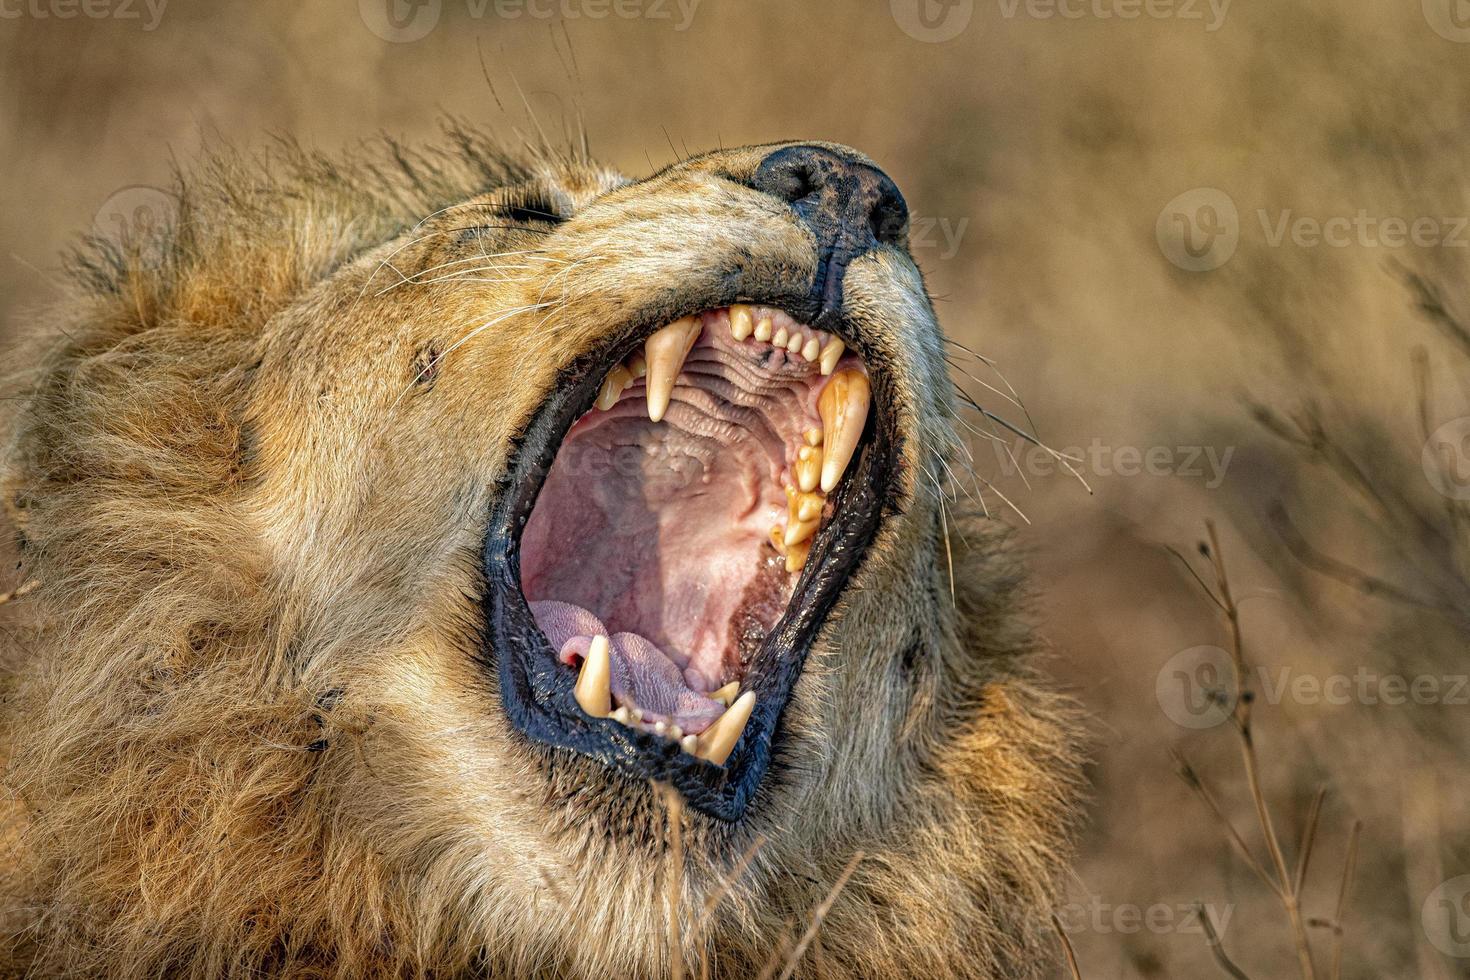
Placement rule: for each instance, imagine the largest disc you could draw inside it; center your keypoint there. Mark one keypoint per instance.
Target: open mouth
(682, 514)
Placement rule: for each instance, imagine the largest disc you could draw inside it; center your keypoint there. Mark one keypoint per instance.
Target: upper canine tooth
(781, 337)
(844, 408)
(763, 329)
(665, 352)
(612, 386)
(811, 349)
(719, 739)
(594, 682)
(808, 468)
(831, 354)
(741, 322)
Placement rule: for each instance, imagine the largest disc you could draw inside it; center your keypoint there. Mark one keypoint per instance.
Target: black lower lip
(537, 691)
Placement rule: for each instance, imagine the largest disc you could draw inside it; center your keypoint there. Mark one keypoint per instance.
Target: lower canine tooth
(593, 691)
(665, 352)
(718, 741)
(742, 325)
(831, 354)
(612, 386)
(843, 405)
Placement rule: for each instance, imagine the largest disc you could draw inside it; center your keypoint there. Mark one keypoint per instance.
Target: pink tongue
(642, 674)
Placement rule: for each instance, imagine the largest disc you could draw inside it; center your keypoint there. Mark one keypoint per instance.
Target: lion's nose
(850, 206)
(835, 195)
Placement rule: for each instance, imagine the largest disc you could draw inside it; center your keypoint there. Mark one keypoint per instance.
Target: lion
(455, 562)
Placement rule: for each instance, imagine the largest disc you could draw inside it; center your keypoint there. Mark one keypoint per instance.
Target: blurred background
(1217, 248)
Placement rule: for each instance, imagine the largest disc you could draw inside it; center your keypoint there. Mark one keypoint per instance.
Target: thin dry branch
(20, 591)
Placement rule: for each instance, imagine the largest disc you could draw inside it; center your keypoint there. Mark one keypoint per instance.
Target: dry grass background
(1050, 146)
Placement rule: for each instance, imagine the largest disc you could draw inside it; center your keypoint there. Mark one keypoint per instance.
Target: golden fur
(245, 727)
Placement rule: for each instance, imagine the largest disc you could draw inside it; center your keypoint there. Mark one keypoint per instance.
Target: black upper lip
(536, 689)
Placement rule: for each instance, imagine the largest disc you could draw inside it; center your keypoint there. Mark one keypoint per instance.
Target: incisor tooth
(808, 468)
(811, 350)
(689, 743)
(741, 323)
(831, 354)
(778, 539)
(621, 715)
(593, 690)
(718, 741)
(796, 556)
(665, 352)
(763, 329)
(782, 337)
(637, 366)
(799, 531)
(813, 437)
(809, 506)
(612, 386)
(844, 407)
(796, 343)
(727, 693)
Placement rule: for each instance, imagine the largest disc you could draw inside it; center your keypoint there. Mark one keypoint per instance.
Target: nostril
(889, 220)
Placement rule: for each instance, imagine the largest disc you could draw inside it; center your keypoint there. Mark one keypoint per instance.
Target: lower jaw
(538, 691)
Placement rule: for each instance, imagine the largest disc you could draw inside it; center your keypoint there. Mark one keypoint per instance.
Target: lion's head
(415, 532)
